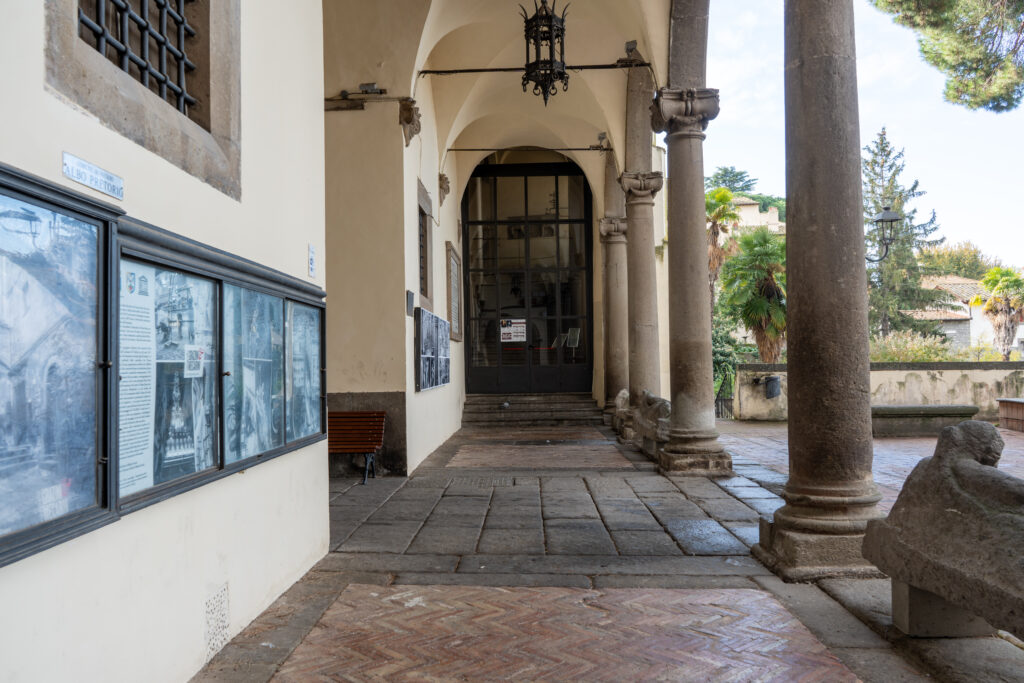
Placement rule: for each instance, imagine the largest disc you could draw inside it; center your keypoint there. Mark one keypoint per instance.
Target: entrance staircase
(530, 410)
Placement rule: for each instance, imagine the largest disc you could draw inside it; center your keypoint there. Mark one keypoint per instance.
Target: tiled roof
(963, 288)
(937, 315)
(740, 200)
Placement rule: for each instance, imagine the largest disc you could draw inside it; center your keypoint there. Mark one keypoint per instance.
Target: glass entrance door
(528, 279)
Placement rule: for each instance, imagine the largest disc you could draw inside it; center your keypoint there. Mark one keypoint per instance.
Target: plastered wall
(129, 602)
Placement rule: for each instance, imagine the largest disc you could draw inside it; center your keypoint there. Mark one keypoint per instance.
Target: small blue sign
(93, 176)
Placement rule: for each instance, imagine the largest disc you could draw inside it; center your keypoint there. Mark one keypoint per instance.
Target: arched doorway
(528, 276)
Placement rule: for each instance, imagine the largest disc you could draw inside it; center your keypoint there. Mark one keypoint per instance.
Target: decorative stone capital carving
(444, 187)
(409, 117)
(641, 187)
(613, 229)
(684, 112)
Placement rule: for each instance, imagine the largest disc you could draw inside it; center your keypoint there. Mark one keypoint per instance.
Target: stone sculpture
(956, 531)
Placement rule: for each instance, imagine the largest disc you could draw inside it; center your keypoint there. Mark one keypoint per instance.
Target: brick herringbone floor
(555, 634)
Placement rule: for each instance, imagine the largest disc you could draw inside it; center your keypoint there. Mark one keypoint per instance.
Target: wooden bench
(357, 433)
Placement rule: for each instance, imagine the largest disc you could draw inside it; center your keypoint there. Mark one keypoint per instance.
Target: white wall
(128, 602)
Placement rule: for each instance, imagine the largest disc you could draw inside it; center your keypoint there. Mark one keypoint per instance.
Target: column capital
(641, 187)
(613, 229)
(684, 111)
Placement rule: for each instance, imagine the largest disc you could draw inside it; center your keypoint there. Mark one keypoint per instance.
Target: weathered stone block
(917, 420)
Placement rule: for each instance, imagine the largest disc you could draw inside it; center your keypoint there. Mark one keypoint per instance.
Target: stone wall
(978, 384)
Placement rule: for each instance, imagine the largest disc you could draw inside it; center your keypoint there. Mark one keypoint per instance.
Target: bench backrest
(355, 432)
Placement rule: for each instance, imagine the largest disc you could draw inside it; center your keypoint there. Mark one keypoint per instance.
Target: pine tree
(894, 284)
(731, 179)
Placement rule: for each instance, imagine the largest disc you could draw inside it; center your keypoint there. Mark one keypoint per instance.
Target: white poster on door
(513, 330)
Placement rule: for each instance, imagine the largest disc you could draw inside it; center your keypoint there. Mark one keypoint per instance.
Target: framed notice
(454, 267)
(513, 330)
(433, 351)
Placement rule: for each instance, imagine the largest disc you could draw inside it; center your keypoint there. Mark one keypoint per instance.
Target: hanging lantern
(886, 221)
(545, 50)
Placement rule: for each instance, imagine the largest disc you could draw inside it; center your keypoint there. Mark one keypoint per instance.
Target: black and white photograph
(47, 364)
(303, 371)
(254, 355)
(433, 346)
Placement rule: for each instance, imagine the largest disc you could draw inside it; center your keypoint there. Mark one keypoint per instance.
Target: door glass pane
(513, 353)
(544, 351)
(512, 295)
(254, 373)
(540, 191)
(483, 295)
(543, 301)
(483, 343)
(573, 288)
(48, 360)
(573, 341)
(483, 247)
(302, 370)
(542, 246)
(481, 199)
(572, 246)
(511, 246)
(168, 393)
(511, 199)
(570, 197)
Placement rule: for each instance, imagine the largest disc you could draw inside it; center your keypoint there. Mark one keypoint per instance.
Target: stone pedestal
(923, 614)
(830, 495)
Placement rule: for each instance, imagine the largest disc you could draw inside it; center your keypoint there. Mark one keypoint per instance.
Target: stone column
(830, 495)
(683, 111)
(640, 186)
(616, 302)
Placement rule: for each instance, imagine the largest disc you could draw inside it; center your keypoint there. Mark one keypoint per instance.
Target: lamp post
(886, 221)
(545, 50)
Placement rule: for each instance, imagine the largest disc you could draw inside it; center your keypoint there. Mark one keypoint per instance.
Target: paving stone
(627, 515)
(613, 564)
(969, 660)
(765, 507)
(673, 581)
(651, 484)
(531, 520)
(748, 535)
(825, 617)
(577, 537)
(699, 488)
(569, 508)
(734, 482)
(728, 510)
(562, 484)
(528, 482)
(386, 563)
(633, 542)
(403, 511)
(341, 531)
(498, 541)
(429, 482)
(876, 664)
(393, 537)
(752, 493)
(870, 600)
(705, 537)
(556, 580)
(406, 494)
(668, 510)
(444, 539)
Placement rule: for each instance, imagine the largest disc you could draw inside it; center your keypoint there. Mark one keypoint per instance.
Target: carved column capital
(409, 118)
(613, 230)
(641, 187)
(444, 187)
(684, 112)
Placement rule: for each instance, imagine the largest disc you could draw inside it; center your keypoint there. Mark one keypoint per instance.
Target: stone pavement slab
(705, 537)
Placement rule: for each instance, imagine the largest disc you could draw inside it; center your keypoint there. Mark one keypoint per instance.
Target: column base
(694, 452)
(924, 614)
(798, 556)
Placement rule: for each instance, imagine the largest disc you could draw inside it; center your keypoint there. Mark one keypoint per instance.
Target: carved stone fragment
(444, 187)
(641, 186)
(957, 528)
(409, 118)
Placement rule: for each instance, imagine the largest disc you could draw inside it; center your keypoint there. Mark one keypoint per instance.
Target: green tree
(754, 285)
(963, 259)
(894, 284)
(977, 44)
(731, 179)
(1004, 306)
(721, 215)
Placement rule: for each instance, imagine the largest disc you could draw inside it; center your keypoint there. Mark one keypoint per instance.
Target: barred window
(160, 42)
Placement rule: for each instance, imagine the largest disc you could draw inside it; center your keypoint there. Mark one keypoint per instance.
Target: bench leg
(373, 465)
(367, 461)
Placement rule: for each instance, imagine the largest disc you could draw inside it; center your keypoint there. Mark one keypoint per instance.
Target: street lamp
(885, 220)
(545, 50)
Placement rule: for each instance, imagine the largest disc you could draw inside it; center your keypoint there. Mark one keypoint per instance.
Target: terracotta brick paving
(534, 634)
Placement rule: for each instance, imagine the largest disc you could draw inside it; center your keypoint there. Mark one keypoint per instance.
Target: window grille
(145, 38)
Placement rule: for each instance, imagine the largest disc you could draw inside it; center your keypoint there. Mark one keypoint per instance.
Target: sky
(968, 162)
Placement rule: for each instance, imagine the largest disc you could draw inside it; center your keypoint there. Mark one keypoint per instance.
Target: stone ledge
(917, 420)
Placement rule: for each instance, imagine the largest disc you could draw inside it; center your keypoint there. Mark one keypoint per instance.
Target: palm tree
(721, 215)
(1004, 305)
(754, 285)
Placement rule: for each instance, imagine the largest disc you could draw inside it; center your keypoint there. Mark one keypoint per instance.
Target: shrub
(907, 346)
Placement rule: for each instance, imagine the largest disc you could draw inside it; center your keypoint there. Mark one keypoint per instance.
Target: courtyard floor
(558, 554)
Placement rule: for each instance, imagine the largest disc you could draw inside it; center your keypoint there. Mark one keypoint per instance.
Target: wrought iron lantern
(545, 50)
(886, 221)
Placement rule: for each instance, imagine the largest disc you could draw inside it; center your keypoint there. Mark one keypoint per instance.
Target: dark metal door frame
(502, 377)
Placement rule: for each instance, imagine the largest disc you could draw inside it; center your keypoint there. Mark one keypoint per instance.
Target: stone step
(488, 399)
(530, 407)
(536, 422)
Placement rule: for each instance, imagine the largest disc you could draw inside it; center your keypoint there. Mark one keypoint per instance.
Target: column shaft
(616, 291)
(830, 494)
